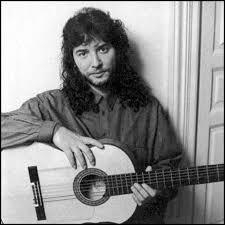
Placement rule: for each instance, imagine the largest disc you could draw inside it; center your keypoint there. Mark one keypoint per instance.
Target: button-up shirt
(148, 132)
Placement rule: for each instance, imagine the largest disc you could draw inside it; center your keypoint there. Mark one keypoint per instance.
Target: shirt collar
(111, 99)
(98, 97)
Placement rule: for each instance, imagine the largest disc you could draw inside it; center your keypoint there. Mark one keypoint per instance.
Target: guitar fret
(108, 185)
(131, 179)
(121, 184)
(164, 178)
(171, 178)
(156, 180)
(207, 174)
(218, 174)
(117, 187)
(126, 183)
(112, 185)
(136, 178)
(149, 178)
(197, 174)
(188, 176)
(179, 176)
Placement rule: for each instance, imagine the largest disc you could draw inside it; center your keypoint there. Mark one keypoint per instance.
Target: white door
(209, 199)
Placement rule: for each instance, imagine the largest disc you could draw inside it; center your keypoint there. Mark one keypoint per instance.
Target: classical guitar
(40, 186)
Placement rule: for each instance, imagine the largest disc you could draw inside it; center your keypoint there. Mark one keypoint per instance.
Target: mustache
(98, 71)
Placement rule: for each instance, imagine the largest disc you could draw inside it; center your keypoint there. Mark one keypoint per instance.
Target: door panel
(209, 203)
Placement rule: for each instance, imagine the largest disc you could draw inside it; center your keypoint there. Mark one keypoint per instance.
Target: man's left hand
(143, 193)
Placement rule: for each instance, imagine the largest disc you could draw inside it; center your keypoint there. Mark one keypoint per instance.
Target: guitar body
(58, 187)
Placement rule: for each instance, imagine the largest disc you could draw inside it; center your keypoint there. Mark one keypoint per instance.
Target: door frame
(184, 46)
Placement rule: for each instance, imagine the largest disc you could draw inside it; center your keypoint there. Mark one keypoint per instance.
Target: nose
(96, 61)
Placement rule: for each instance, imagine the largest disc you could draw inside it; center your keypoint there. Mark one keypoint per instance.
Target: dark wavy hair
(87, 24)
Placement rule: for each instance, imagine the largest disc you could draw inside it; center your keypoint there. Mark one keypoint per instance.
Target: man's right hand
(74, 146)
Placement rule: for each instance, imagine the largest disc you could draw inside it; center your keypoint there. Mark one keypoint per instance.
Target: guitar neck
(165, 178)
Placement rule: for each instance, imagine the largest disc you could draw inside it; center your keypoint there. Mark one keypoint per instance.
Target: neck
(159, 179)
(102, 91)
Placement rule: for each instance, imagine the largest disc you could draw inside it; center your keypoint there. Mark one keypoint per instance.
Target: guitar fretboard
(165, 178)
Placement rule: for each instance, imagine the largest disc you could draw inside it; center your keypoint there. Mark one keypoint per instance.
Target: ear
(73, 53)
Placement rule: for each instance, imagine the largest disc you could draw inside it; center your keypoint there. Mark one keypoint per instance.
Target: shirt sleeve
(26, 125)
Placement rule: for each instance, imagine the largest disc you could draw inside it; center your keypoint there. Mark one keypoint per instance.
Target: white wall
(31, 42)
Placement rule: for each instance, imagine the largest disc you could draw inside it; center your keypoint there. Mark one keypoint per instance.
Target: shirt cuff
(46, 131)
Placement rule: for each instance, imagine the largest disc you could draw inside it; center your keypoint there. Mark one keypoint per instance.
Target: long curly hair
(87, 24)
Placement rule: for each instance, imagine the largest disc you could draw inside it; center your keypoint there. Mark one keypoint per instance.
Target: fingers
(75, 146)
(71, 158)
(88, 153)
(74, 151)
(142, 192)
(139, 193)
(92, 141)
(149, 190)
(79, 156)
(137, 200)
(84, 141)
(81, 148)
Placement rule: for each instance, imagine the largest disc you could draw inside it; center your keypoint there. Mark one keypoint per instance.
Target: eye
(104, 49)
(82, 54)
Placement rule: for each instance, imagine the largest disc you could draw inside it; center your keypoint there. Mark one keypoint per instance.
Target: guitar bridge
(36, 188)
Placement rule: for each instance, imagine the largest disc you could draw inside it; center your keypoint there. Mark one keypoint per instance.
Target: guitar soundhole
(90, 187)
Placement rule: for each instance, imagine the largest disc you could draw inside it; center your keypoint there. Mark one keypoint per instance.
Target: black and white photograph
(112, 112)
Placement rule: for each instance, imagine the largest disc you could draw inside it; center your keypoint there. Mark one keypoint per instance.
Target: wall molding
(184, 72)
(183, 90)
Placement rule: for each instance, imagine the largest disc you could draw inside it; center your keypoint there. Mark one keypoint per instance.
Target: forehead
(93, 43)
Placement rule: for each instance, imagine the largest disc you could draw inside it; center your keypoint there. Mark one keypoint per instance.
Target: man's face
(96, 61)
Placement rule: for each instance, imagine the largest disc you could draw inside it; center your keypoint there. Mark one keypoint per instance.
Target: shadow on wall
(136, 61)
(135, 58)
(180, 209)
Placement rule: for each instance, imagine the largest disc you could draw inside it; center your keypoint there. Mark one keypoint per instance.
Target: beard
(104, 84)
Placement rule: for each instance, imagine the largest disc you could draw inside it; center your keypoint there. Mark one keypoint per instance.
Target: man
(102, 97)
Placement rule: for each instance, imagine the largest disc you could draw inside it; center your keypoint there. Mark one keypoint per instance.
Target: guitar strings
(156, 178)
(177, 173)
(153, 180)
(96, 194)
(127, 182)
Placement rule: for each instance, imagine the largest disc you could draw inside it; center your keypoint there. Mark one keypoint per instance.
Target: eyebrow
(80, 50)
(101, 44)
(83, 47)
